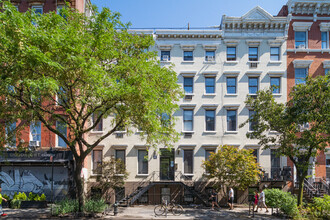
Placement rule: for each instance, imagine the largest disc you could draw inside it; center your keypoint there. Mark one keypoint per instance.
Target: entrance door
(166, 164)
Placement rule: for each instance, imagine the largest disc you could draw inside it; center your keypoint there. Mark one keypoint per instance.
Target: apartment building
(308, 54)
(49, 162)
(217, 69)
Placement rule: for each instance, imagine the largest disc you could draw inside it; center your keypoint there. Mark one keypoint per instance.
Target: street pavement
(144, 212)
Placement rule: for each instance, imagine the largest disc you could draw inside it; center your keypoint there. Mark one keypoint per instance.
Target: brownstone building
(308, 54)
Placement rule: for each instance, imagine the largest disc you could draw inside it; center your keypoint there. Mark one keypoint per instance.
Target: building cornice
(309, 7)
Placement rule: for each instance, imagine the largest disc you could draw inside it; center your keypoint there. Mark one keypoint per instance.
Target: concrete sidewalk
(144, 212)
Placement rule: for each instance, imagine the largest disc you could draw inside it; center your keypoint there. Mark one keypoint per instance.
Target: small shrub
(66, 206)
(320, 208)
(15, 203)
(95, 206)
(42, 197)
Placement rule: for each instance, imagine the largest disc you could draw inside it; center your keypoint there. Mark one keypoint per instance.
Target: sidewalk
(145, 212)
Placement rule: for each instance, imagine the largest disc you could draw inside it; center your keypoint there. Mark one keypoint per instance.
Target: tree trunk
(301, 189)
(79, 185)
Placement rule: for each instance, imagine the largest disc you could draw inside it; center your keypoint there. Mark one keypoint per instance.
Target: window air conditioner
(34, 143)
(210, 58)
(165, 58)
(253, 65)
(301, 46)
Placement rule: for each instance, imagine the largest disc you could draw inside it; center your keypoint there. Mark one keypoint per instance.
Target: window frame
(273, 86)
(36, 7)
(251, 113)
(188, 120)
(165, 53)
(212, 122)
(211, 85)
(297, 43)
(207, 56)
(275, 55)
(192, 161)
(254, 57)
(231, 86)
(31, 132)
(326, 40)
(58, 137)
(11, 127)
(97, 162)
(234, 55)
(143, 163)
(253, 86)
(188, 57)
(229, 123)
(297, 79)
(185, 85)
(99, 126)
(116, 156)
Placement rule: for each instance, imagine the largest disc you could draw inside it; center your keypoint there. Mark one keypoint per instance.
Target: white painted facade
(258, 29)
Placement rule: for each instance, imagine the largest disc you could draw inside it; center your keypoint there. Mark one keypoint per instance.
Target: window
(275, 164)
(255, 153)
(11, 134)
(165, 120)
(210, 56)
(99, 125)
(121, 156)
(300, 75)
(231, 85)
(188, 84)
(274, 53)
(38, 9)
(61, 97)
(231, 53)
(188, 120)
(208, 154)
(62, 128)
(231, 120)
(142, 162)
(253, 85)
(165, 55)
(35, 131)
(300, 39)
(251, 124)
(188, 156)
(275, 84)
(324, 40)
(188, 56)
(253, 53)
(209, 85)
(210, 120)
(326, 72)
(97, 161)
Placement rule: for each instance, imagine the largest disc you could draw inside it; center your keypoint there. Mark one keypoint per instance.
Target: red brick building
(308, 53)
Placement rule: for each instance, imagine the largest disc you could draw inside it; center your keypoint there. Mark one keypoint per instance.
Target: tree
(64, 69)
(233, 167)
(302, 124)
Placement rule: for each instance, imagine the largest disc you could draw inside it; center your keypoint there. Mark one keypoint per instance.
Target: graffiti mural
(34, 179)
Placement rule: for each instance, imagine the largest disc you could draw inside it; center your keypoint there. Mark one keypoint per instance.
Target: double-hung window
(231, 120)
(210, 120)
(188, 158)
(326, 72)
(251, 124)
(275, 84)
(97, 161)
(231, 85)
(209, 85)
(120, 156)
(210, 55)
(35, 131)
(253, 85)
(62, 128)
(274, 53)
(11, 134)
(99, 125)
(142, 162)
(208, 154)
(188, 84)
(188, 56)
(38, 9)
(324, 40)
(165, 55)
(300, 75)
(253, 53)
(300, 39)
(188, 116)
(231, 53)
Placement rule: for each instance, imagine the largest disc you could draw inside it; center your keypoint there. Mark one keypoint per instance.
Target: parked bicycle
(165, 208)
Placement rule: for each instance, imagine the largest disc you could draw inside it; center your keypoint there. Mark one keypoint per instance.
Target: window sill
(231, 132)
(192, 94)
(188, 174)
(142, 175)
(275, 62)
(210, 132)
(233, 94)
(231, 62)
(273, 132)
(189, 132)
(165, 62)
(277, 94)
(252, 94)
(95, 175)
(119, 175)
(188, 62)
(96, 132)
(209, 62)
(210, 94)
(120, 132)
(257, 61)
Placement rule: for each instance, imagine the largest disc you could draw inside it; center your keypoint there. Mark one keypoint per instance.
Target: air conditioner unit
(165, 58)
(301, 46)
(253, 65)
(210, 58)
(34, 143)
(188, 96)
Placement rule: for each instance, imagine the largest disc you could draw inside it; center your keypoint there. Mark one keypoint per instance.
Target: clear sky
(178, 13)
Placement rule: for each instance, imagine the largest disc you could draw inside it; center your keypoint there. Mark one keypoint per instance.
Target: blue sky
(177, 13)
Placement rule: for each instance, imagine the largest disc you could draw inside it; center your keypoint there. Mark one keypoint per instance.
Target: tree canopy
(233, 167)
(67, 68)
(302, 125)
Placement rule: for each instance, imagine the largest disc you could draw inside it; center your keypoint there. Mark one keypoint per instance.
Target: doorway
(166, 164)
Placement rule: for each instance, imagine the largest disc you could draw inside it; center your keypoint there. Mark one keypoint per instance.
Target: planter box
(33, 204)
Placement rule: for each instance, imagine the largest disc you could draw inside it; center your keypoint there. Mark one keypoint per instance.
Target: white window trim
(193, 113)
(92, 164)
(137, 167)
(231, 108)
(215, 84)
(253, 76)
(234, 74)
(302, 63)
(94, 131)
(30, 133)
(210, 107)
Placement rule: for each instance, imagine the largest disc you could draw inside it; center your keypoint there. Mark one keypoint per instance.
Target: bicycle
(164, 208)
